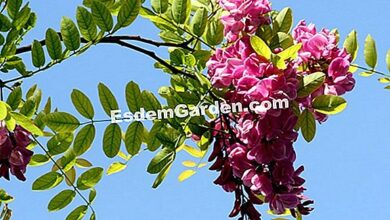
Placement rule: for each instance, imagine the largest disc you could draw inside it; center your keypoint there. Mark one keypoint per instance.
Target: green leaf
(5, 23)
(284, 20)
(128, 12)
(186, 174)
(62, 122)
(214, 32)
(92, 195)
(160, 6)
(47, 181)
(199, 22)
(60, 143)
(82, 103)
(307, 124)
(4, 197)
(116, 168)
(161, 176)
(13, 7)
(261, 47)
(311, 83)
(53, 44)
(134, 136)
(90, 178)
(107, 99)
(37, 54)
(38, 160)
(83, 163)
(370, 52)
(102, 16)
(61, 200)
(78, 213)
(181, 10)
(70, 34)
(29, 107)
(133, 97)
(66, 162)
(351, 44)
(84, 139)
(22, 17)
(71, 176)
(164, 157)
(388, 60)
(112, 140)
(86, 24)
(26, 123)
(14, 98)
(290, 53)
(152, 141)
(329, 104)
(150, 101)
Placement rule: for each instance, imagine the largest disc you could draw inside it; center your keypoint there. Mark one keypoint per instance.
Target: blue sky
(347, 165)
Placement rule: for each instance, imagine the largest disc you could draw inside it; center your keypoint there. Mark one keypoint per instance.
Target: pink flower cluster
(14, 156)
(320, 53)
(255, 155)
(244, 16)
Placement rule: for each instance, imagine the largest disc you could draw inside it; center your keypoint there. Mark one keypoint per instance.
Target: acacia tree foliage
(197, 35)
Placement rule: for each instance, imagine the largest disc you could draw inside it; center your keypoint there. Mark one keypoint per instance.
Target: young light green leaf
(159, 6)
(370, 52)
(189, 163)
(134, 137)
(82, 103)
(26, 123)
(388, 60)
(116, 168)
(307, 124)
(47, 181)
(260, 47)
(62, 122)
(351, 44)
(61, 200)
(181, 10)
(194, 152)
(112, 140)
(37, 54)
(22, 17)
(84, 139)
(284, 20)
(164, 157)
(78, 213)
(128, 12)
(90, 178)
(107, 99)
(133, 97)
(14, 98)
(186, 174)
(92, 195)
(290, 53)
(102, 16)
(329, 104)
(86, 24)
(199, 22)
(311, 83)
(70, 34)
(53, 44)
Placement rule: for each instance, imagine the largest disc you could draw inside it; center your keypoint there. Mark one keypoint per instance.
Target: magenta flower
(14, 156)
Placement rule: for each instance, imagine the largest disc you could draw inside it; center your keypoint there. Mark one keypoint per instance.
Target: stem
(64, 174)
(370, 70)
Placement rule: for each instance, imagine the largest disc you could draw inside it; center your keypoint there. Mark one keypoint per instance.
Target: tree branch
(113, 39)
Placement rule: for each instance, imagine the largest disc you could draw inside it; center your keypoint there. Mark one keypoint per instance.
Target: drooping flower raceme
(14, 155)
(255, 156)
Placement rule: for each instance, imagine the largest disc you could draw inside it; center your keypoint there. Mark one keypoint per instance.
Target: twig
(63, 173)
(370, 70)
